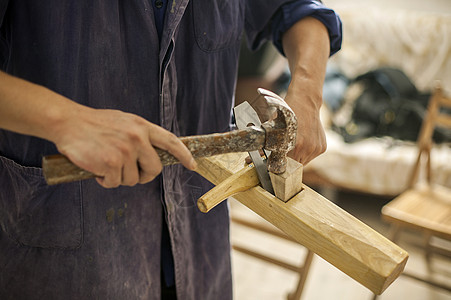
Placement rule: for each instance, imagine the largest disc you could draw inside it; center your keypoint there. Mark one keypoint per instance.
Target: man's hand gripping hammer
(277, 136)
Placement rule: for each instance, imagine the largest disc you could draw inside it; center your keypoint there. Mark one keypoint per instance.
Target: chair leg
(296, 295)
(393, 233)
(428, 250)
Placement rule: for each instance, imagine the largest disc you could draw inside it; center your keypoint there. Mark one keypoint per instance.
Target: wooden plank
(321, 226)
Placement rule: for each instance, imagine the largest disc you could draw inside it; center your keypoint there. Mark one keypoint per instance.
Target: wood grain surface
(321, 226)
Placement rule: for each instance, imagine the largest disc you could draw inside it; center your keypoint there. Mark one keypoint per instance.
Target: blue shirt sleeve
(294, 11)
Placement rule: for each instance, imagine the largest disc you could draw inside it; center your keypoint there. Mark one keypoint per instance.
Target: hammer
(277, 135)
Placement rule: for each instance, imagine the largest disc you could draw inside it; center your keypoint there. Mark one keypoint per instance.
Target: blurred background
(375, 96)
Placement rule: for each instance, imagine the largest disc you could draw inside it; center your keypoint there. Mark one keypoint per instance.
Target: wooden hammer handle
(59, 169)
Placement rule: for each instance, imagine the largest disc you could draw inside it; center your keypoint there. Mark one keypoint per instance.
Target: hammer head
(280, 131)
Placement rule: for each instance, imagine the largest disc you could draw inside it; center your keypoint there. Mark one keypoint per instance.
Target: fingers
(112, 174)
(310, 138)
(165, 140)
(309, 146)
(306, 152)
(143, 164)
(135, 170)
(149, 165)
(119, 147)
(130, 173)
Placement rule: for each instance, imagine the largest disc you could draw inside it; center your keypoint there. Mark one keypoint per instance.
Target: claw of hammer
(285, 174)
(280, 132)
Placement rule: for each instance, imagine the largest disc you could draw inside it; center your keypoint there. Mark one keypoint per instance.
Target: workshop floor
(259, 280)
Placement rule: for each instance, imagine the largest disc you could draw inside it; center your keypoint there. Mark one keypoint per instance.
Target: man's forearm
(307, 48)
(31, 109)
(116, 146)
(306, 45)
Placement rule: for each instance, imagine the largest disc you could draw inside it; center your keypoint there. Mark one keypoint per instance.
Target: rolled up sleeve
(292, 12)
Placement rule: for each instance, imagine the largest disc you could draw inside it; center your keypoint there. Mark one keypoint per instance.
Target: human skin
(119, 146)
(116, 146)
(307, 48)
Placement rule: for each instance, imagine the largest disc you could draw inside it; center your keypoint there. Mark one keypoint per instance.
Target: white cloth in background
(378, 166)
(415, 42)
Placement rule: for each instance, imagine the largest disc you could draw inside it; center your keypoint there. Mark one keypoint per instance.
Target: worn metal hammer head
(280, 131)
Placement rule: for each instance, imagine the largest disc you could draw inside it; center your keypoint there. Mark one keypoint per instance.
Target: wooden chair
(264, 227)
(425, 206)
